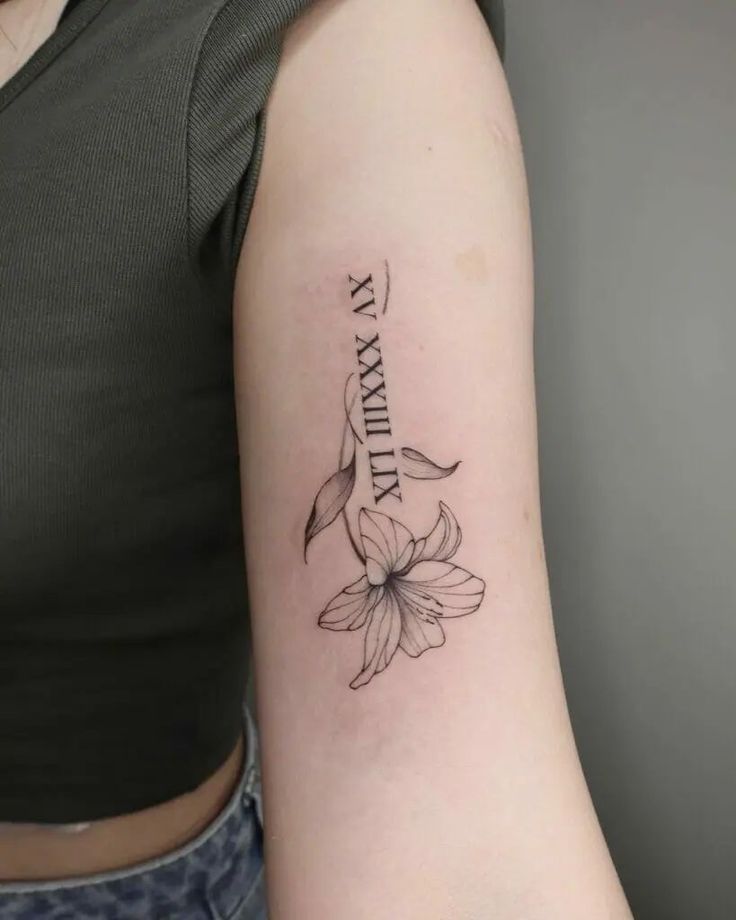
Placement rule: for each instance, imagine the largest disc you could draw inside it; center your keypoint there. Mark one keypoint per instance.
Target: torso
(38, 852)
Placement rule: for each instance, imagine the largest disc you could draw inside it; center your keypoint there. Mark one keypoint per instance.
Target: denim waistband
(218, 835)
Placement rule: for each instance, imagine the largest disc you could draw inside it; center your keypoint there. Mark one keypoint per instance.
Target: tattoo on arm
(408, 587)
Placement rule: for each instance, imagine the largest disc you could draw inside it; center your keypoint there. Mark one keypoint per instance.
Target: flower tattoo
(407, 589)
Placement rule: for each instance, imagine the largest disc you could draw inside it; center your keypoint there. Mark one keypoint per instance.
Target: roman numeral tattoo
(409, 588)
(385, 481)
(363, 290)
(372, 387)
(372, 380)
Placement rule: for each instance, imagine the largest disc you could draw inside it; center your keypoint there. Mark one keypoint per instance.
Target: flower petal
(439, 589)
(387, 545)
(381, 638)
(419, 632)
(441, 542)
(350, 608)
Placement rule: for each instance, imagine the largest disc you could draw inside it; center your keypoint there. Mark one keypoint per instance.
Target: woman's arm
(418, 757)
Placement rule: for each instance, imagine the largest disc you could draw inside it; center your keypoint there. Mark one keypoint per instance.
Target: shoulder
(390, 128)
(404, 18)
(370, 91)
(406, 58)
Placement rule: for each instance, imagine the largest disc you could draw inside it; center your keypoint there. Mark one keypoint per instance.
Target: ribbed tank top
(130, 145)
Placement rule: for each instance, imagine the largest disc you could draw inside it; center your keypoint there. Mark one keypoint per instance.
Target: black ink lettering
(379, 490)
(372, 386)
(379, 390)
(365, 286)
(375, 368)
(367, 343)
(377, 426)
(392, 489)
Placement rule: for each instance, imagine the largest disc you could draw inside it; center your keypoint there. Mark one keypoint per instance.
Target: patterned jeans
(216, 876)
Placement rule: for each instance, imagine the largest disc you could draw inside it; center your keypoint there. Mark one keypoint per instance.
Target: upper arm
(392, 154)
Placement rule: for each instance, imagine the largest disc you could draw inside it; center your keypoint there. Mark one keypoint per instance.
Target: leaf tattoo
(330, 501)
(335, 493)
(418, 466)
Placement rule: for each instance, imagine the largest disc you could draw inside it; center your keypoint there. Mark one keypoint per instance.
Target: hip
(216, 873)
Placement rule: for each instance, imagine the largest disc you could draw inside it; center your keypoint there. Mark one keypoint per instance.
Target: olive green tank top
(130, 145)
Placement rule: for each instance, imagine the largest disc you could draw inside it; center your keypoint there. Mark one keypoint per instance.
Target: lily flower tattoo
(407, 589)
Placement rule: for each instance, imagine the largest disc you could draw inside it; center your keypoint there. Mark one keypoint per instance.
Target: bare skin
(39, 853)
(33, 852)
(24, 27)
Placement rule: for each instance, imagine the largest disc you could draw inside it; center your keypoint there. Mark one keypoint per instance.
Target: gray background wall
(628, 116)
